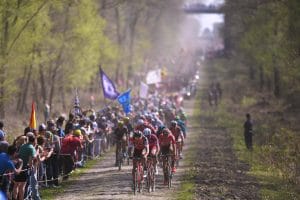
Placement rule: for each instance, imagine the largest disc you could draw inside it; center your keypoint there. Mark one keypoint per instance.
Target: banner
(109, 89)
(32, 122)
(144, 90)
(124, 100)
(153, 76)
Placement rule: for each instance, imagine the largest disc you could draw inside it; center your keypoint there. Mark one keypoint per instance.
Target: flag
(32, 123)
(124, 100)
(109, 89)
(153, 76)
(144, 90)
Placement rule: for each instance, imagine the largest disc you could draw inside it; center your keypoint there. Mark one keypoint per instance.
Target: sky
(207, 20)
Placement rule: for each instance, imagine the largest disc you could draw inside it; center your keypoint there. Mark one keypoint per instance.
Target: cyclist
(129, 126)
(181, 124)
(153, 146)
(7, 163)
(121, 136)
(168, 146)
(142, 124)
(178, 134)
(141, 148)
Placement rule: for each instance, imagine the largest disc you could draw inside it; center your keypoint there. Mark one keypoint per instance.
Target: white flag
(153, 77)
(144, 90)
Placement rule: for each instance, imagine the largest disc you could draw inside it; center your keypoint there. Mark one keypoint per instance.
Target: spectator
(248, 131)
(1, 128)
(59, 124)
(27, 153)
(3, 142)
(7, 164)
(71, 145)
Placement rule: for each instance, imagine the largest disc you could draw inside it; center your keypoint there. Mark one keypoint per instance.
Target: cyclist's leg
(136, 154)
(124, 143)
(118, 148)
(164, 152)
(153, 153)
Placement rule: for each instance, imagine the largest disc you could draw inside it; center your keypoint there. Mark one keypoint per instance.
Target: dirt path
(219, 174)
(104, 181)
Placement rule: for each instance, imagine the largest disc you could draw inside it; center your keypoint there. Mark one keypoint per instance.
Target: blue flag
(124, 100)
(109, 89)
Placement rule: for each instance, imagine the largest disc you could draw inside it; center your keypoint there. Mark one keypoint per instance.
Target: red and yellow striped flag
(32, 123)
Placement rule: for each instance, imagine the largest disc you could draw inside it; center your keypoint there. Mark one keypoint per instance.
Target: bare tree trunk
(120, 42)
(42, 83)
(20, 93)
(53, 80)
(277, 91)
(63, 97)
(25, 92)
(2, 92)
(3, 55)
(35, 94)
(261, 78)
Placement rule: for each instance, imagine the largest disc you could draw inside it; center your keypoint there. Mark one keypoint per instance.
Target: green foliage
(274, 164)
(248, 101)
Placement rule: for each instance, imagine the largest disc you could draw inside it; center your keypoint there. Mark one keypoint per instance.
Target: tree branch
(25, 25)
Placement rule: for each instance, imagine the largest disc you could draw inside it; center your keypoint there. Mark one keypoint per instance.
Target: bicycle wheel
(148, 182)
(169, 174)
(152, 178)
(140, 178)
(177, 159)
(120, 160)
(135, 182)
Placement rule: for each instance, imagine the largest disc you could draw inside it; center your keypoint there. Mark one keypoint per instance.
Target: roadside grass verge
(273, 183)
(187, 188)
(51, 193)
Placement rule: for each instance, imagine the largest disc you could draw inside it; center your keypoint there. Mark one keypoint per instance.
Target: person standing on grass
(248, 131)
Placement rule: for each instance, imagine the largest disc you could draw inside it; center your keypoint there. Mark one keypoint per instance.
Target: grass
(273, 185)
(187, 188)
(51, 193)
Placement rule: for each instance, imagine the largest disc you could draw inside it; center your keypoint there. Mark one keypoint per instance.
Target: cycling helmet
(173, 123)
(161, 128)
(137, 134)
(165, 131)
(120, 123)
(140, 122)
(126, 119)
(77, 133)
(147, 132)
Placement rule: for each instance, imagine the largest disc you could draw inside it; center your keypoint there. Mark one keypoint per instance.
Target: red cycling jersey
(153, 141)
(166, 140)
(176, 131)
(140, 143)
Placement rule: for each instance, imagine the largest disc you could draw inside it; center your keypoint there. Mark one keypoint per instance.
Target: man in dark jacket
(248, 131)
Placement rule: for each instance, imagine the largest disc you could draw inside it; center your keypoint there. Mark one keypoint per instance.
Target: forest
(260, 74)
(51, 47)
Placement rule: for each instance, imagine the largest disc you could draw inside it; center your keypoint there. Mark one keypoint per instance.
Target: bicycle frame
(151, 174)
(167, 168)
(138, 175)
